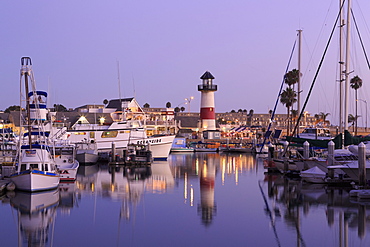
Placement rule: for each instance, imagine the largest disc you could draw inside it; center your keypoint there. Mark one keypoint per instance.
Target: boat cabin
(316, 133)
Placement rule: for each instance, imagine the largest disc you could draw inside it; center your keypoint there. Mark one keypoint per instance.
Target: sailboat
(35, 165)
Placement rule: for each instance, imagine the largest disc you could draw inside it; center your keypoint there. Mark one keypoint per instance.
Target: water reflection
(36, 213)
(215, 192)
(294, 201)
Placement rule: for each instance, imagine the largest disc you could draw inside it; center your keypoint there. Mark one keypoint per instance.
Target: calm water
(189, 200)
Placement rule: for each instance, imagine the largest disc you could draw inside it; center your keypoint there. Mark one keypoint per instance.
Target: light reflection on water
(192, 199)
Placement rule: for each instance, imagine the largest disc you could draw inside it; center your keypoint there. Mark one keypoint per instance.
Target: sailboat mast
(347, 72)
(341, 66)
(25, 71)
(299, 74)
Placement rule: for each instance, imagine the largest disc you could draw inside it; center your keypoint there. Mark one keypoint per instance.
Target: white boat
(351, 169)
(316, 133)
(36, 168)
(67, 164)
(314, 175)
(341, 156)
(354, 148)
(86, 152)
(122, 133)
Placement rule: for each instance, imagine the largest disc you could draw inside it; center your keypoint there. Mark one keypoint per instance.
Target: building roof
(116, 103)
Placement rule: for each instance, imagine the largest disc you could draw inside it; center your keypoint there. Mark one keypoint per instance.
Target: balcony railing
(207, 87)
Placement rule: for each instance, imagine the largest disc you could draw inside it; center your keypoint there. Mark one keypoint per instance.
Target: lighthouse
(207, 106)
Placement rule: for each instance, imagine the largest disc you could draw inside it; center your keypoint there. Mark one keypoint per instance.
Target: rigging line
(316, 74)
(281, 88)
(359, 36)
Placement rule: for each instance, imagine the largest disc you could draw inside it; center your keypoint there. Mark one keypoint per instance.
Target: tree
(60, 108)
(168, 105)
(232, 111)
(12, 108)
(105, 102)
(182, 108)
(288, 97)
(177, 109)
(356, 83)
(291, 77)
(352, 119)
(146, 105)
(250, 116)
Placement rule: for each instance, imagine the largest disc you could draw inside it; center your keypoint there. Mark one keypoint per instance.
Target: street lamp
(365, 113)
(187, 101)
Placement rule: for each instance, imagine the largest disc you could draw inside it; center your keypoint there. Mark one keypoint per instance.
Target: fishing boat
(36, 168)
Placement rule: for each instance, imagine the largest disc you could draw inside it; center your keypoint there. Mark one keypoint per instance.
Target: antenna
(119, 85)
(133, 84)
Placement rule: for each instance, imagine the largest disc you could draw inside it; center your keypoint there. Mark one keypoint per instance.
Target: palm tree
(288, 97)
(146, 105)
(250, 116)
(291, 77)
(105, 102)
(168, 105)
(356, 83)
(352, 119)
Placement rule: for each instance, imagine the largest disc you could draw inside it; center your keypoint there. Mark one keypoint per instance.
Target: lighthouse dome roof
(207, 75)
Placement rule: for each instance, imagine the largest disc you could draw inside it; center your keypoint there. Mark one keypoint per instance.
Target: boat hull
(87, 158)
(68, 173)
(33, 180)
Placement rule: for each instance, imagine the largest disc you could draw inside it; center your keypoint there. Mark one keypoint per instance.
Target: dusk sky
(163, 47)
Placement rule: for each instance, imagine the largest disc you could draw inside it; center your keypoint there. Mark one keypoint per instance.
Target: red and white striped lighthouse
(207, 104)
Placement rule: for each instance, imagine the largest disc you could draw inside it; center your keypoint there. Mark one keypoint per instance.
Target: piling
(286, 162)
(271, 152)
(330, 159)
(306, 150)
(113, 157)
(362, 164)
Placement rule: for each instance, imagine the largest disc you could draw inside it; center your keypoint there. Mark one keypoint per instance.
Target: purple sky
(164, 46)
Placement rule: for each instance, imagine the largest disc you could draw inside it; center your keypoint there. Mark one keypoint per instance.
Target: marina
(192, 199)
(83, 163)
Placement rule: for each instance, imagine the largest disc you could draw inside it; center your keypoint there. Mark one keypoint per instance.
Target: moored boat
(86, 152)
(36, 168)
(66, 163)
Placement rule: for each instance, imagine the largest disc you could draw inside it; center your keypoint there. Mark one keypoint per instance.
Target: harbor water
(194, 199)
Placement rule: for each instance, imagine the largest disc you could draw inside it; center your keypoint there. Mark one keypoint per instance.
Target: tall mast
(299, 74)
(341, 66)
(25, 71)
(346, 98)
